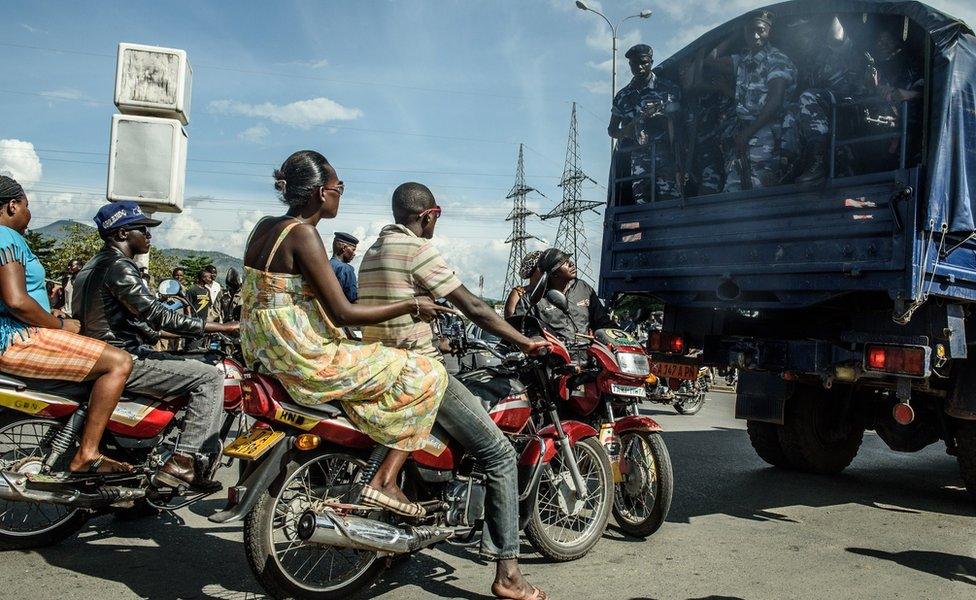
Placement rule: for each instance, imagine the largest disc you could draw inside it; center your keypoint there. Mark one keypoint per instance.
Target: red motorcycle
(602, 383)
(40, 424)
(306, 535)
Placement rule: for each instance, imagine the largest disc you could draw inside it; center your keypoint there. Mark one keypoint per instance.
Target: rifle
(679, 175)
(742, 158)
(745, 168)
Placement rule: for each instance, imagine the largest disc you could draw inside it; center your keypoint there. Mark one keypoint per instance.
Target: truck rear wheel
(765, 441)
(819, 433)
(966, 453)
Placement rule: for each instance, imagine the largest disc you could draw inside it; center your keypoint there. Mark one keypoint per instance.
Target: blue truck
(847, 304)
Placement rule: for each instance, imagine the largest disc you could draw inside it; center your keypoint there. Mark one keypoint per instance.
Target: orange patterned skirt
(51, 354)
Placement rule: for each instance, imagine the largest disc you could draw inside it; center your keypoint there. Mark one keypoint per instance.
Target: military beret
(640, 50)
(345, 237)
(763, 15)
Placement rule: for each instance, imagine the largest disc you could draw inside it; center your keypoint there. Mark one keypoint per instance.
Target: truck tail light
(660, 341)
(898, 360)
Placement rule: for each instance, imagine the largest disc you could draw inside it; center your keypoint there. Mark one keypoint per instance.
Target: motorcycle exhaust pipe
(349, 531)
(13, 487)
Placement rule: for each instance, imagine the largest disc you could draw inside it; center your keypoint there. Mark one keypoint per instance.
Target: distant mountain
(59, 230)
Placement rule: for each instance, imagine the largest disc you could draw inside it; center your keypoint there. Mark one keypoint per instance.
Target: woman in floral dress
(292, 311)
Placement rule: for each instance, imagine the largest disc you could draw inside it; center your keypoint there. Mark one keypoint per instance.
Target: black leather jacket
(115, 305)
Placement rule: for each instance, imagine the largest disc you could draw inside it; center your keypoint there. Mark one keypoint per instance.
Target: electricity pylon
(571, 233)
(519, 236)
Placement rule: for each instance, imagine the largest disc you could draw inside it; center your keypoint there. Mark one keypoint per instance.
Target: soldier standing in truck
(642, 119)
(763, 78)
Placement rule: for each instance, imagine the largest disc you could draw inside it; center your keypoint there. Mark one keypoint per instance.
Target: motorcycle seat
(327, 410)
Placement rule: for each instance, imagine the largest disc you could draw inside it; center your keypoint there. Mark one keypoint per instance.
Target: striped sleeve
(432, 273)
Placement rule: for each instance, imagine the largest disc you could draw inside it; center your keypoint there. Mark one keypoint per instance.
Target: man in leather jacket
(115, 305)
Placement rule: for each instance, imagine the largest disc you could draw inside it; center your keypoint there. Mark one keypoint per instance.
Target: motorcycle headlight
(632, 363)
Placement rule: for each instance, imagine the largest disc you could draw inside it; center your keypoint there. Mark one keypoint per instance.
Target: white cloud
(255, 134)
(19, 160)
(320, 63)
(302, 114)
(605, 66)
(601, 87)
(66, 94)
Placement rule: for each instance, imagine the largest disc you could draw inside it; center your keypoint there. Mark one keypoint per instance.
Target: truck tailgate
(772, 249)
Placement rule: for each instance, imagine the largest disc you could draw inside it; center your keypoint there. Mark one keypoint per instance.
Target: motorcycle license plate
(253, 444)
(675, 370)
(628, 390)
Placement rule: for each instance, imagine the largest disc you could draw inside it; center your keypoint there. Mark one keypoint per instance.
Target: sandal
(94, 465)
(371, 496)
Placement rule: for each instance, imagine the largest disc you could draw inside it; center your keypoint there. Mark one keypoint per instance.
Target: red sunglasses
(435, 210)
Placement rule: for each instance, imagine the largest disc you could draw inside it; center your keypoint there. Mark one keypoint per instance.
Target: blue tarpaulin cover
(950, 165)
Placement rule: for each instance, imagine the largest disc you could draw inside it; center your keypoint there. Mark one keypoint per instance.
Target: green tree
(43, 247)
(193, 264)
(80, 242)
(160, 265)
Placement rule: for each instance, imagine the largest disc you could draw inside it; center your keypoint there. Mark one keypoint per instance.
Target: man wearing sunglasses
(115, 305)
(402, 264)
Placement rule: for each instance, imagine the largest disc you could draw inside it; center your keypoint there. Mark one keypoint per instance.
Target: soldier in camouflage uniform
(835, 69)
(712, 121)
(763, 78)
(642, 119)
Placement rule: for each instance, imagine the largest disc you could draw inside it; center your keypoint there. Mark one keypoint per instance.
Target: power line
(271, 165)
(385, 84)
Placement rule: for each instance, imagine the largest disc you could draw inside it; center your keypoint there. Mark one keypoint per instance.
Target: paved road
(891, 526)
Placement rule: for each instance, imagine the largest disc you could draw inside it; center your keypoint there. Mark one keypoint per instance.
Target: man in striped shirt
(401, 264)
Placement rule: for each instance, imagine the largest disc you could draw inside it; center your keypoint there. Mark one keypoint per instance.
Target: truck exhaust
(349, 531)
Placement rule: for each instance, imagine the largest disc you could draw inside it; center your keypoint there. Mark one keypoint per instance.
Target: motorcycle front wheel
(561, 525)
(642, 500)
(286, 566)
(24, 442)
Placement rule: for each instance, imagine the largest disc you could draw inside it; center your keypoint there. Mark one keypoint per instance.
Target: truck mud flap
(762, 397)
(962, 400)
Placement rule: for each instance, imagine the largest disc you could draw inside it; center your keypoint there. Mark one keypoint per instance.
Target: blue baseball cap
(118, 215)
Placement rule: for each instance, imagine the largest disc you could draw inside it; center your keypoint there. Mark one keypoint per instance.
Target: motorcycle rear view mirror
(558, 299)
(168, 288)
(539, 290)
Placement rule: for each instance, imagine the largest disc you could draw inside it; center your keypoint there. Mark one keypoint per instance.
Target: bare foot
(83, 464)
(516, 587)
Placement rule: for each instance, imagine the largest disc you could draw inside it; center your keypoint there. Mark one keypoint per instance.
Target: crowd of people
(292, 303)
(747, 114)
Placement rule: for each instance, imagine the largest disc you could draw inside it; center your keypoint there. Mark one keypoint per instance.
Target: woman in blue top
(34, 343)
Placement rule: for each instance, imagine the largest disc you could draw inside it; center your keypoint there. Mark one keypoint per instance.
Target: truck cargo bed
(778, 247)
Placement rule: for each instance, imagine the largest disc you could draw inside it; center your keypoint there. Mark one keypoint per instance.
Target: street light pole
(644, 14)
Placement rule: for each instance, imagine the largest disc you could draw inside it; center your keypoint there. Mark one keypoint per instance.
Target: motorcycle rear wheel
(548, 516)
(641, 503)
(276, 555)
(24, 442)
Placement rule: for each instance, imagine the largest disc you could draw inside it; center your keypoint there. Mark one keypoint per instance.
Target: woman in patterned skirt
(292, 311)
(34, 343)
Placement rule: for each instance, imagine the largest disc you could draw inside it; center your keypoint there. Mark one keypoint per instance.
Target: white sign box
(150, 80)
(147, 162)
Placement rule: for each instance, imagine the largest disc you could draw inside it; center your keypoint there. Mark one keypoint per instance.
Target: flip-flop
(97, 462)
(371, 496)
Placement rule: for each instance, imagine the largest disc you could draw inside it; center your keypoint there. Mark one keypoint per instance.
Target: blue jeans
(464, 418)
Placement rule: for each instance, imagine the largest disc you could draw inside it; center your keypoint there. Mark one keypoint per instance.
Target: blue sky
(390, 91)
